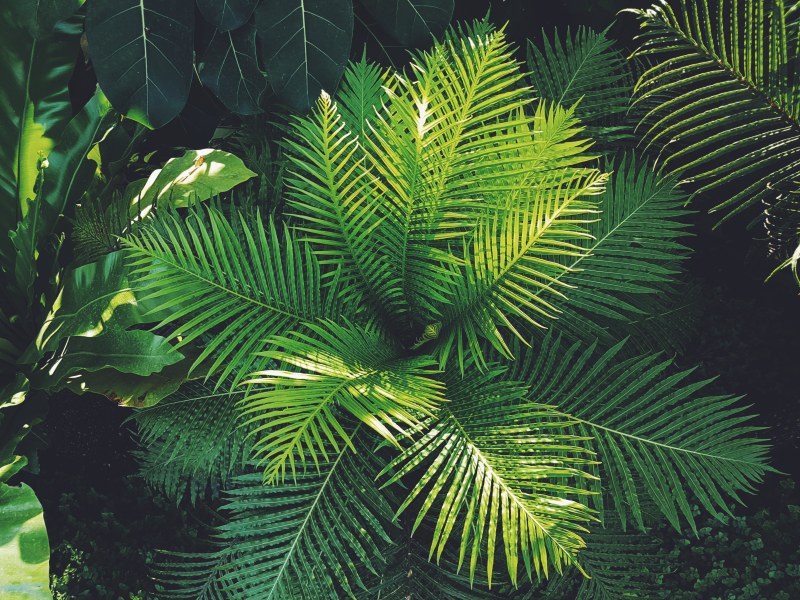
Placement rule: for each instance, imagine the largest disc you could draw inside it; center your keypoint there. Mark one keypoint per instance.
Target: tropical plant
(719, 103)
(381, 348)
(143, 51)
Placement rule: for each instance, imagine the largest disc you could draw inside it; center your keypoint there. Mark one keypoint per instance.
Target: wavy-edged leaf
(191, 441)
(230, 283)
(653, 431)
(498, 467)
(230, 70)
(305, 46)
(304, 539)
(142, 53)
(335, 368)
(412, 22)
(227, 14)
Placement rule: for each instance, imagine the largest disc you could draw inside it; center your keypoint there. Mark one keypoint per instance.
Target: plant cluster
(418, 345)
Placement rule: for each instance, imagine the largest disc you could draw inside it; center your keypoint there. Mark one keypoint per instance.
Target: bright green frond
(513, 265)
(721, 103)
(584, 69)
(499, 469)
(229, 285)
(653, 431)
(332, 370)
(191, 442)
(313, 538)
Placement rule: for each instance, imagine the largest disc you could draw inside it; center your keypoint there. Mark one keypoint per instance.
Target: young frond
(360, 93)
(228, 288)
(513, 265)
(311, 538)
(495, 466)
(584, 69)
(721, 102)
(652, 430)
(333, 369)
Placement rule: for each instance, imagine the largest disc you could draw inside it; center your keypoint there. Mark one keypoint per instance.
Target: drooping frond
(296, 410)
(653, 431)
(495, 466)
(721, 101)
(306, 539)
(631, 263)
(230, 288)
(584, 69)
(191, 441)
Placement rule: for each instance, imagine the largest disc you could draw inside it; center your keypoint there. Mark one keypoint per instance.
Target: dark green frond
(229, 292)
(191, 442)
(653, 431)
(360, 94)
(296, 410)
(584, 69)
(306, 539)
(499, 469)
(629, 266)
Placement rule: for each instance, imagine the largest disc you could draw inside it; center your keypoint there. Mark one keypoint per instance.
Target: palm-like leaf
(231, 289)
(192, 441)
(336, 368)
(725, 91)
(629, 266)
(496, 466)
(584, 69)
(652, 430)
(302, 539)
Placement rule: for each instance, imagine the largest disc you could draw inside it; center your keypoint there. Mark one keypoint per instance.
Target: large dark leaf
(34, 107)
(142, 53)
(306, 44)
(44, 14)
(227, 14)
(230, 70)
(412, 22)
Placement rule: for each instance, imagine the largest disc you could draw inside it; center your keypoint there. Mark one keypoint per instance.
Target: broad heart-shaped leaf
(24, 547)
(227, 14)
(34, 108)
(306, 44)
(412, 22)
(230, 70)
(196, 176)
(142, 52)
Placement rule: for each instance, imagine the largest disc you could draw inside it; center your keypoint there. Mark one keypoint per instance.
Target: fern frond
(360, 93)
(726, 111)
(303, 539)
(498, 467)
(191, 441)
(335, 368)
(584, 69)
(652, 430)
(514, 263)
(631, 262)
(230, 291)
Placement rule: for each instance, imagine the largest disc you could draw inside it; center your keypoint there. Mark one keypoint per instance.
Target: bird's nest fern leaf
(653, 431)
(231, 288)
(297, 409)
(314, 537)
(499, 469)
